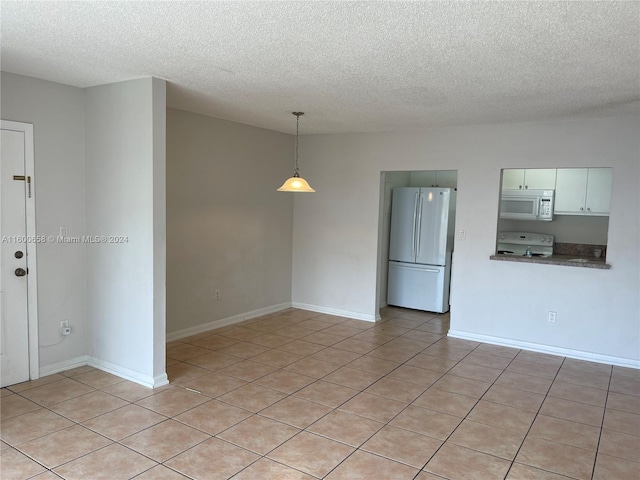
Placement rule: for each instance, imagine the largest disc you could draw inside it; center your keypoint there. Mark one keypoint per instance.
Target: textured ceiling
(350, 66)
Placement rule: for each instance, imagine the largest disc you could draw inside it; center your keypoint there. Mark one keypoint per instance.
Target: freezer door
(404, 215)
(418, 286)
(433, 218)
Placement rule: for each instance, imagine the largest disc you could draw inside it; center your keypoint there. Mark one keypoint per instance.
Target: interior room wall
(57, 114)
(228, 229)
(336, 231)
(124, 186)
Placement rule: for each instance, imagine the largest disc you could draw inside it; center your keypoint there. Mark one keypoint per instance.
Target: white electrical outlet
(65, 329)
(552, 317)
(217, 294)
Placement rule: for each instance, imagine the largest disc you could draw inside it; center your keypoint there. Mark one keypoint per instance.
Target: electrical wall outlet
(552, 317)
(217, 294)
(65, 329)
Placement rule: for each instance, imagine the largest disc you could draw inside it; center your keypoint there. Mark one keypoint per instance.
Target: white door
(599, 191)
(16, 253)
(433, 222)
(513, 179)
(540, 178)
(418, 286)
(571, 189)
(404, 218)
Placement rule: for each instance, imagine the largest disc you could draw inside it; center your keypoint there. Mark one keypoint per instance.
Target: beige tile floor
(300, 395)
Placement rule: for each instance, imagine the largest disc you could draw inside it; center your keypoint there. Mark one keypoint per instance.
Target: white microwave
(527, 204)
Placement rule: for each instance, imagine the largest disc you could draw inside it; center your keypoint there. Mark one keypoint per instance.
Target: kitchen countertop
(566, 260)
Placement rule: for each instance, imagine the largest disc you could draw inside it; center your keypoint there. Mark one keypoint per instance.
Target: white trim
(339, 313)
(65, 365)
(137, 377)
(81, 361)
(30, 223)
(536, 347)
(223, 322)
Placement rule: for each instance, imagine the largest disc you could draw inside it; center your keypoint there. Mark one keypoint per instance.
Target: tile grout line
(400, 412)
(524, 439)
(356, 449)
(604, 414)
(467, 414)
(405, 335)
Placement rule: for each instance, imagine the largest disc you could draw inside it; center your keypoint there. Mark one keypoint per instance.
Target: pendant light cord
(297, 114)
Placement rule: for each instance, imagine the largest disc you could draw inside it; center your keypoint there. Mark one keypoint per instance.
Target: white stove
(525, 244)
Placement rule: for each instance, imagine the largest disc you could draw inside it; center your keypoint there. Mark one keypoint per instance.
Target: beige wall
(125, 177)
(99, 156)
(227, 227)
(335, 247)
(57, 114)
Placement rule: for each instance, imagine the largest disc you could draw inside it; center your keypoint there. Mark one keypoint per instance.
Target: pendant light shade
(296, 183)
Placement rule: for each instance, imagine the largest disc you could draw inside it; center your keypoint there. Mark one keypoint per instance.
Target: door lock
(20, 272)
(19, 254)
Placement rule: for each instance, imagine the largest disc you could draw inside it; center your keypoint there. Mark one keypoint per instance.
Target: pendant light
(296, 183)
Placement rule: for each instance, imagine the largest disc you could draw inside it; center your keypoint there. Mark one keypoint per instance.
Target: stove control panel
(526, 238)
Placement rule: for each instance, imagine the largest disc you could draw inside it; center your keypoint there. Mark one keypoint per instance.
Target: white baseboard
(223, 322)
(333, 311)
(161, 380)
(137, 377)
(58, 367)
(536, 347)
(81, 361)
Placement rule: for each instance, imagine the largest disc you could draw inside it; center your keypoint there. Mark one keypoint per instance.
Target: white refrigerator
(420, 246)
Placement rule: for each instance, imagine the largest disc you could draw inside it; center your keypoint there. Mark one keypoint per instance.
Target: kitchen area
(554, 216)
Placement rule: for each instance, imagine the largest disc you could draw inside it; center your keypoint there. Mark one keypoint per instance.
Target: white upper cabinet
(435, 178)
(513, 178)
(423, 178)
(583, 191)
(599, 191)
(571, 190)
(529, 179)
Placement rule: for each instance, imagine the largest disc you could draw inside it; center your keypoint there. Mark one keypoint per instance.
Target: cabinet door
(540, 178)
(571, 188)
(447, 178)
(424, 178)
(513, 178)
(599, 191)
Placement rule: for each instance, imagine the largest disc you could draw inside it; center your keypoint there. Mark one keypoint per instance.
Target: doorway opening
(447, 179)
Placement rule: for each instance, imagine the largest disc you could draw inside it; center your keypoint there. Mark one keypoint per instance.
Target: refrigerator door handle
(419, 268)
(415, 226)
(419, 227)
